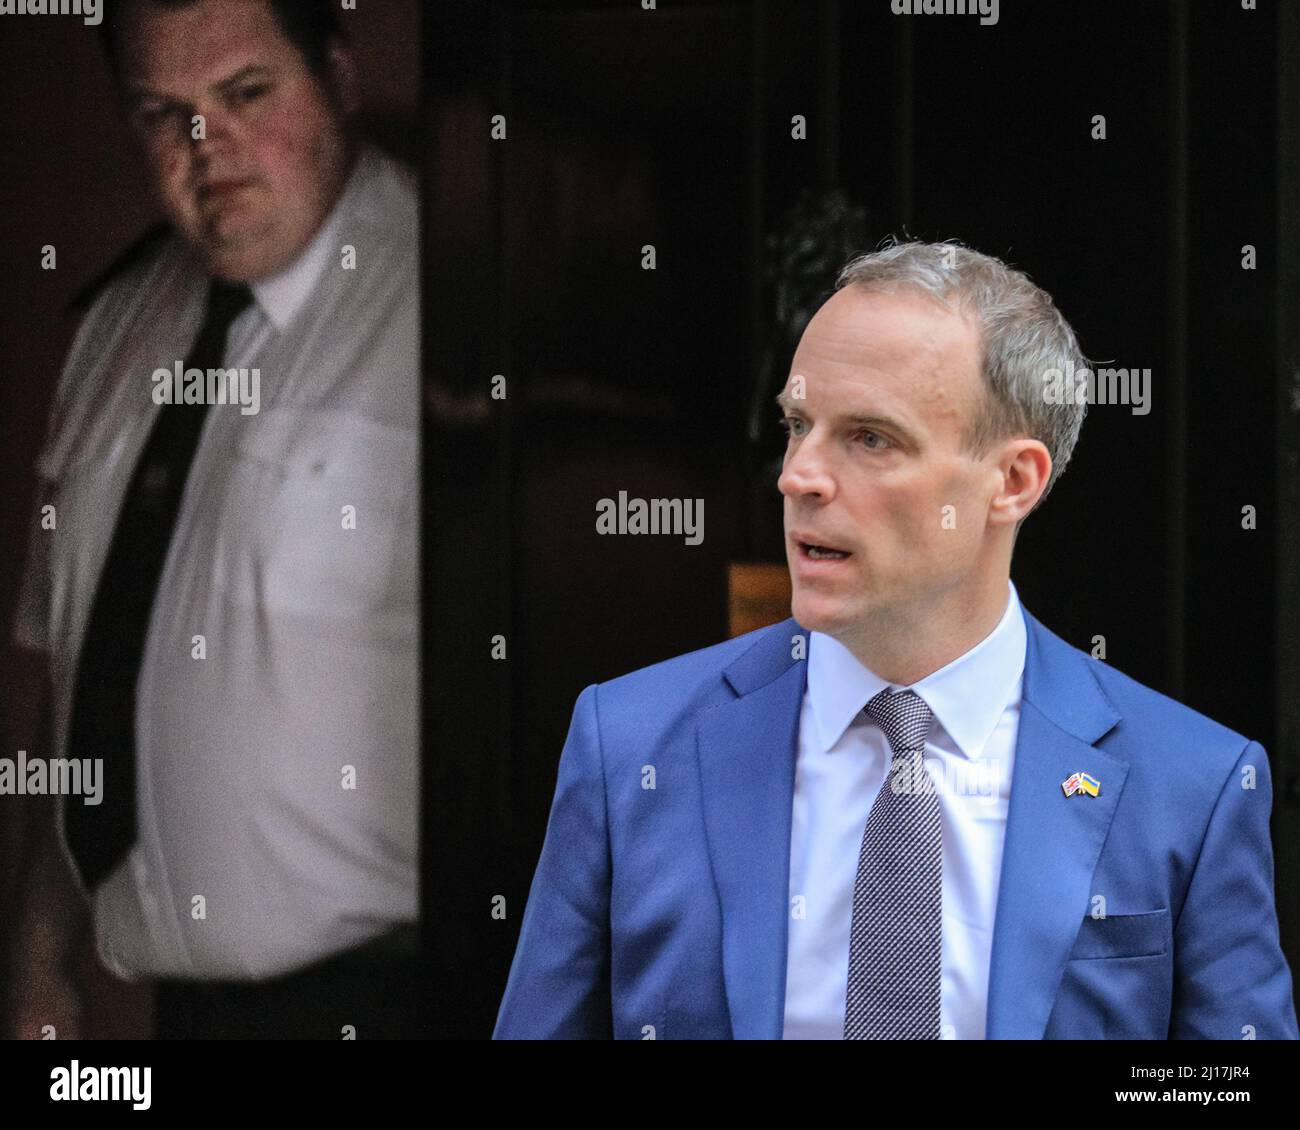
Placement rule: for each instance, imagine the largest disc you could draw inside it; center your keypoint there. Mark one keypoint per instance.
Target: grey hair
(1023, 335)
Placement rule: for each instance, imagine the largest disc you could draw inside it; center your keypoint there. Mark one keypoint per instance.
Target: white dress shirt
(843, 758)
(253, 856)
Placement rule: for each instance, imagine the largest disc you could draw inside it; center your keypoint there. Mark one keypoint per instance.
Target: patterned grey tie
(894, 949)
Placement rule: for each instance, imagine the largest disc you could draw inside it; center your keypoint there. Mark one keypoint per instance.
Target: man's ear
(344, 77)
(1025, 466)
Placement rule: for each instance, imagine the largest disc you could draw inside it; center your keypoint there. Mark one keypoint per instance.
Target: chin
(815, 612)
(244, 248)
(240, 264)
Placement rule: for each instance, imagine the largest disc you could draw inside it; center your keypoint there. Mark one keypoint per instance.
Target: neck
(348, 165)
(903, 645)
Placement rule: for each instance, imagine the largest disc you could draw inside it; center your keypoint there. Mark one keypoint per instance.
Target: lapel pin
(1081, 783)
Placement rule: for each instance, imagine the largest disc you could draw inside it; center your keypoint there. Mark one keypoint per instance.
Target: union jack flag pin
(1085, 784)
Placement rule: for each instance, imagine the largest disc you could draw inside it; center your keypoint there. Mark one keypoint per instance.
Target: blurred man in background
(224, 607)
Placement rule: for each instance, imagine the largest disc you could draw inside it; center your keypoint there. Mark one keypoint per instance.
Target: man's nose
(805, 472)
(217, 132)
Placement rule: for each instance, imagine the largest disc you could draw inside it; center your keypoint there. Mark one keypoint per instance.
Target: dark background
(673, 128)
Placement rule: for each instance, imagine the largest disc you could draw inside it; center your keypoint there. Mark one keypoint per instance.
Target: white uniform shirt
(253, 858)
(843, 759)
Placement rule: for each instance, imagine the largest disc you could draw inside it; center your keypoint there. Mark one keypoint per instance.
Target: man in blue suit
(911, 811)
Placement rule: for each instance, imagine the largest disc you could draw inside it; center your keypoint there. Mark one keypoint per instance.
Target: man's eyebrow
(138, 94)
(259, 70)
(887, 423)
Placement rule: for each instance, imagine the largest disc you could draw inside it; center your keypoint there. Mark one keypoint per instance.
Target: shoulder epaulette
(135, 253)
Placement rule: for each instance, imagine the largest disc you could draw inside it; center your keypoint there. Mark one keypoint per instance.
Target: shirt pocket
(312, 514)
(1123, 935)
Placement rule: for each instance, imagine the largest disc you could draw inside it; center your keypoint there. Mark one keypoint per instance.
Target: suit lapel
(747, 753)
(1052, 841)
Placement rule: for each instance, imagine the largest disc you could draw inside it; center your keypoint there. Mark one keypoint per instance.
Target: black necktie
(103, 703)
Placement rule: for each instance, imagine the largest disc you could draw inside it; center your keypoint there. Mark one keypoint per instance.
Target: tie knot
(226, 301)
(904, 717)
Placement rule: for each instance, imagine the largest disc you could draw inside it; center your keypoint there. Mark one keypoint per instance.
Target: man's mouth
(220, 189)
(815, 552)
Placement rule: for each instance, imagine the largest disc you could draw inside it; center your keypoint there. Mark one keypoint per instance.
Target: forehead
(187, 47)
(866, 350)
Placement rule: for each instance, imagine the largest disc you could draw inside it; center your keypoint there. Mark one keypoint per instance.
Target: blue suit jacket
(663, 911)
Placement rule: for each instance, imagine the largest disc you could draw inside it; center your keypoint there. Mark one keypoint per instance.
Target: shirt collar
(967, 696)
(283, 294)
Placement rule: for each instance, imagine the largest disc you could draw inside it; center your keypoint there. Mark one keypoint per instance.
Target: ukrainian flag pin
(1081, 783)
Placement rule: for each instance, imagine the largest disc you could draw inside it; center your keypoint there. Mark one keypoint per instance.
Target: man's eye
(153, 117)
(868, 434)
(791, 425)
(252, 93)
